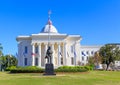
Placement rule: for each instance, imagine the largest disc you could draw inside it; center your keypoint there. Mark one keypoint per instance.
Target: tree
(94, 60)
(109, 53)
(91, 61)
(2, 62)
(97, 58)
(7, 61)
(11, 60)
(1, 48)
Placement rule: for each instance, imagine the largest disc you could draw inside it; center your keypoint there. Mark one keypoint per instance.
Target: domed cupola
(49, 28)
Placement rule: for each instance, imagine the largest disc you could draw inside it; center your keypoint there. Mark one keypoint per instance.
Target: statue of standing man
(49, 55)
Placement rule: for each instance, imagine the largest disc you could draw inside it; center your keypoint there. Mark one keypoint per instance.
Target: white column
(75, 55)
(33, 56)
(45, 60)
(39, 58)
(53, 57)
(59, 58)
(65, 54)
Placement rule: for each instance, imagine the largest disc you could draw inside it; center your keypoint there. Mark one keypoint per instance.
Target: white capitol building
(67, 50)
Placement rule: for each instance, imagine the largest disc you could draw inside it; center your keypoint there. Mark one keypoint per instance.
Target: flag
(33, 54)
(83, 53)
(49, 21)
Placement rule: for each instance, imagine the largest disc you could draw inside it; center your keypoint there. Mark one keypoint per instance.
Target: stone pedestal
(49, 69)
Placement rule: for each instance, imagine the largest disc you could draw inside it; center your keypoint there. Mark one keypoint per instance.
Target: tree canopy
(109, 53)
(94, 60)
(1, 48)
(7, 61)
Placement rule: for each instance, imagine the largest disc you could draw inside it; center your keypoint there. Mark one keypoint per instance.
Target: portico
(58, 52)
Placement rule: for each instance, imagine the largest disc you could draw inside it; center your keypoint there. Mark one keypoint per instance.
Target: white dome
(49, 28)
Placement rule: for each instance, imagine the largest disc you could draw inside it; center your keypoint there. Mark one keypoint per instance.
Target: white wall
(22, 55)
(87, 51)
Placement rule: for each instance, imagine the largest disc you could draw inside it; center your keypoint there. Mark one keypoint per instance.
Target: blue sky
(97, 21)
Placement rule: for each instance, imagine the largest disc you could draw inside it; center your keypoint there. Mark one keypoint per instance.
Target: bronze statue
(49, 55)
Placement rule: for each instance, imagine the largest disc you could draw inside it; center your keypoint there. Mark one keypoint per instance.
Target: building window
(72, 49)
(87, 58)
(92, 52)
(83, 54)
(72, 60)
(61, 61)
(87, 52)
(82, 58)
(36, 49)
(26, 49)
(36, 61)
(25, 61)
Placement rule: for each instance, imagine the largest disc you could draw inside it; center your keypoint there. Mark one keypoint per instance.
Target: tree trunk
(107, 65)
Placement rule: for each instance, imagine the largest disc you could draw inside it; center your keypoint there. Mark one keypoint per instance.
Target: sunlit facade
(67, 50)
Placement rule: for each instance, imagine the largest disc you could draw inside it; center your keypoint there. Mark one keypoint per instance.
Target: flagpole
(49, 23)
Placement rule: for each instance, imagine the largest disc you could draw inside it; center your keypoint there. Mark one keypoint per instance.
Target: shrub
(71, 69)
(34, 69)
(10, 68)
(27, 69)
(89, 67)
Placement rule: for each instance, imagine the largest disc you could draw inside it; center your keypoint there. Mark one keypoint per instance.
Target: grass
(88, 78)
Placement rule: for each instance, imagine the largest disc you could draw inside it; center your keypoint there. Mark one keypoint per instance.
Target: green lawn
(89, 78)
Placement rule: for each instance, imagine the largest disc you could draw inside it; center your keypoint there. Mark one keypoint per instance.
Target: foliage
(27, 69)
(7, 61)
(109, 53)
(91, 61)
(2, 63)
(94, 60)
(1, 48)
(97, 58)
(10, 68)
(11, 60)
(89, 67)
(34, 69)
(72, 69)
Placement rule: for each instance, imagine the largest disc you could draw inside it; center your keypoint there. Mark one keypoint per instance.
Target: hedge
(10, 68)
(27, 69)
(34, 69)
(72, 69)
